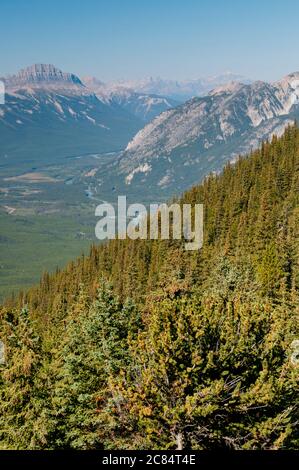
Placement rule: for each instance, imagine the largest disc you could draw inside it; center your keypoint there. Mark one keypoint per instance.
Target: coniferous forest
(144, 345)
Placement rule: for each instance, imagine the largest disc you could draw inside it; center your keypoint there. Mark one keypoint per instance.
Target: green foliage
(180, 349)
(22, 396)
(93, 349)
(211, 371)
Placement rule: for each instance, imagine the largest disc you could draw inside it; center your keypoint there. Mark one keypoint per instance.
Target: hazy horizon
(173, 40)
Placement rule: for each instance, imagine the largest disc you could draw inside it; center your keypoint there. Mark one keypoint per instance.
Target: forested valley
(144, 345)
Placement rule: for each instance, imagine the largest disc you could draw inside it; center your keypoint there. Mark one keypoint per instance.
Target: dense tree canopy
(145, 345)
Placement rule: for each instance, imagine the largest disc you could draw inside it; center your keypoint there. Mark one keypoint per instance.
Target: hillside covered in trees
(143, 345)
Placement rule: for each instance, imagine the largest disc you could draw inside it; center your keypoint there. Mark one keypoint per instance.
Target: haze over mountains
(163, 147)
(182, 145)
(48, 113)
(142, 105)
(180, 90)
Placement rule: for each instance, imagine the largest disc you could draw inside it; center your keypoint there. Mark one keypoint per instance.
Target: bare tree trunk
(179, 441)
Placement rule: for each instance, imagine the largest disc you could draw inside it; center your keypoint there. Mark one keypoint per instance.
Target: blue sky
(169, 38)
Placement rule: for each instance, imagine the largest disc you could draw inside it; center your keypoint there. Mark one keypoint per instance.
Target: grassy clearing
(29, 245)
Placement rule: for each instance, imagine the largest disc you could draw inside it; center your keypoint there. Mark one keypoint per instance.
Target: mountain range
(162, 146)
(179, 90)
(48, 114)
(181, 145)
(144, 106)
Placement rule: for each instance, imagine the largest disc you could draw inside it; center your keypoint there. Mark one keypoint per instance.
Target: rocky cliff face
(47, 110)
(143, 106)
(42, 75)
(181, 145)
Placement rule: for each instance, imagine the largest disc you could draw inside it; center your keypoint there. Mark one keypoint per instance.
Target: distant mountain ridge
(179, 90)
(181, 145)
(143, 106)
(62, 114)
(164, 147)
(39, 74)
(49, 113)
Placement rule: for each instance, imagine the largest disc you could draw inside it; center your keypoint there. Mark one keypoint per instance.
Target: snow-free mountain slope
(49, 113)
(181, 145)
(141, 105)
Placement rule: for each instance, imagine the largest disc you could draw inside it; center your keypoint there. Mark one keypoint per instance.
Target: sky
(129, 39)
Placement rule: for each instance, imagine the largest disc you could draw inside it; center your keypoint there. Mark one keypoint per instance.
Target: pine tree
(94, 348)
(23, 395)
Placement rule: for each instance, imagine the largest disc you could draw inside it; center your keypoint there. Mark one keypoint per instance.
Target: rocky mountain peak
(291, 81)
(40, 74)
(230, 87)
